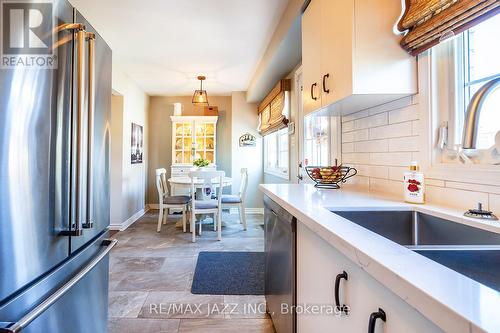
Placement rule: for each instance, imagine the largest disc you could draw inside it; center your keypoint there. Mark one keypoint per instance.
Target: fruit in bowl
(326, 174)
(330, 174)
(316, 173)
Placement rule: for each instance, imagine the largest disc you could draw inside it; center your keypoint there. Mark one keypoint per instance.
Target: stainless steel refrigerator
(54, 170)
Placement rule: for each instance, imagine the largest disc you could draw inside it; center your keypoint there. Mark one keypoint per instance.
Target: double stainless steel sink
(470, 251)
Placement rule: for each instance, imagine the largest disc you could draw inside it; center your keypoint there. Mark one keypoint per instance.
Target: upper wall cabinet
(351, 57)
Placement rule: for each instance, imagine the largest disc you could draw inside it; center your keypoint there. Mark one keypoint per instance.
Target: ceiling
(164, 44)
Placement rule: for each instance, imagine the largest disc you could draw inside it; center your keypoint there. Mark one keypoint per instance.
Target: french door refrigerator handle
(79, 31)
(49, 301)
(90, 37)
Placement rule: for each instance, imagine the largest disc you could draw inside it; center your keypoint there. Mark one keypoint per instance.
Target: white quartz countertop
(452, 301)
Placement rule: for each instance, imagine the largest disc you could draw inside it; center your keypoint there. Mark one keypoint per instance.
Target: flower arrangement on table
(201, 162)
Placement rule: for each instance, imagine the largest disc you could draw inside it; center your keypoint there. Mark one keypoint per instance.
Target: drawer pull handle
(343, 308)
(380, 314)
(312, 91)
(324, 83)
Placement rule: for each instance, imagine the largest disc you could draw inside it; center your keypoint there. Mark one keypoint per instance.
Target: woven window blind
(427, 22)
(271, 110)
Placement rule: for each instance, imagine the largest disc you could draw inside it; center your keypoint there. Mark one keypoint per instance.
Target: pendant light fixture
(200, 97)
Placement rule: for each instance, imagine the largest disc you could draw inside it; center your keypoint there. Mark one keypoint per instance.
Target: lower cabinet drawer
(319, 266)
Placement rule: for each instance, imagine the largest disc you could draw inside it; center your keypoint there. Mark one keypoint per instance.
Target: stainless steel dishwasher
(280, 247)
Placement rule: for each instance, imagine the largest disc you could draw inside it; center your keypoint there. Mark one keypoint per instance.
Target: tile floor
(151, 274)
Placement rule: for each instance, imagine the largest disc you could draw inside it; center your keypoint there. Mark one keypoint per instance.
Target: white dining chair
(166, 201)
(209, 206)
(238, 200)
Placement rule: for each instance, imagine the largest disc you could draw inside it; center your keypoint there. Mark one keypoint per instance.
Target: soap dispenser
(414, 187)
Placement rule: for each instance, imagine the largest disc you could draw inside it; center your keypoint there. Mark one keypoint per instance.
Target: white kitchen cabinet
(351, 57)
(311, 57)
(193, 137)
(318, 263)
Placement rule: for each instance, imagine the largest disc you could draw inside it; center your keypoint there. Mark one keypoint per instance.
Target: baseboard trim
(248, 210)
(154, 206)
(130, 220)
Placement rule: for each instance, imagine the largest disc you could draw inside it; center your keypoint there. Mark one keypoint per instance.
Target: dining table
(183, 183)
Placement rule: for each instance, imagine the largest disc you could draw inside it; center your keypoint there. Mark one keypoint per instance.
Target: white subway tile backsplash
(360, 183)
(390, 159)
(356, 115)
(397, 104)
(415, 127)
(386, 186)
(348, 147)
(435, 182)
(406, 114)
(404, 144)
(455, 198)
(396, 173)
(361, 135)
(372, 121)
(474, 187)
(348, 137)
(347, 126)
(356, 158)
(382, 141)
(372, 146)
(391, 131)
(372, 171)
(494, 204)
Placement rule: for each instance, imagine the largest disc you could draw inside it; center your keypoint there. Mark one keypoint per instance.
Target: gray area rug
(229, 273)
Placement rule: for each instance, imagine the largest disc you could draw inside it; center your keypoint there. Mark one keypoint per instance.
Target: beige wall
(245, 120)
(160, 134)
(135, 110)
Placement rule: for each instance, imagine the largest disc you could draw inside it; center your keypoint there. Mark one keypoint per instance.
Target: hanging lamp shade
(200, 97)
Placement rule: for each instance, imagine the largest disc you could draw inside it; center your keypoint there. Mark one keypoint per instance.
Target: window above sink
(460, 67)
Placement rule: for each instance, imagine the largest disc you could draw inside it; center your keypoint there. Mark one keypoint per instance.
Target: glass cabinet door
(205, 141)
(192, 140)
(183, 142)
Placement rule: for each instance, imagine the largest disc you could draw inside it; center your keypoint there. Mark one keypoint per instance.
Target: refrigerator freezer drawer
(76, 302)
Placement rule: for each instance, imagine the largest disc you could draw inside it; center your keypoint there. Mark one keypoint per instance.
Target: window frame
(281, 172)
(431, 156)
(451, 61)
(312, 140)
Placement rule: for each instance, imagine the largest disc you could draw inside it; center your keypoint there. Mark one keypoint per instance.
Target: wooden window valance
(427, 22)
(273, 110)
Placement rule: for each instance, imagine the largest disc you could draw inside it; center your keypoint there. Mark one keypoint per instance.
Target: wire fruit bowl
(330, 177)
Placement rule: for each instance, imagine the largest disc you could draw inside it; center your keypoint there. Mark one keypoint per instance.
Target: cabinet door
(205, 140)
(337, 47)
(311, 57)
(318, 263)
(317, 268)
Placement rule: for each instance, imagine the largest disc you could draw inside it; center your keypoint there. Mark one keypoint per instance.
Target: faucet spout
(474, 111)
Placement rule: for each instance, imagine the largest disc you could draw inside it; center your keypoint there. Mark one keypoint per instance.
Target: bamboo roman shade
(273, 110)
(427, 22)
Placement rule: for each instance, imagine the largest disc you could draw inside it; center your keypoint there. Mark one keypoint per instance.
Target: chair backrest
(161, 183)
(208, 177)
(243, 183)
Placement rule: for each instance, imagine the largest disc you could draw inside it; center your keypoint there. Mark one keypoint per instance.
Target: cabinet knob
(312, 91)
(380, 314)
(324, 83)
(339, 307)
